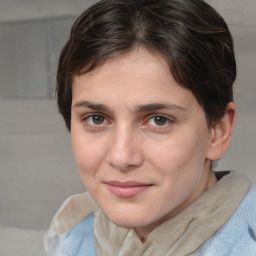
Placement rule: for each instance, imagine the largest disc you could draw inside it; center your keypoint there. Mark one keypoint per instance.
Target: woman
(145, 89)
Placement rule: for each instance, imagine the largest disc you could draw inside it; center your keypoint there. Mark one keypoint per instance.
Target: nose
(125, 151)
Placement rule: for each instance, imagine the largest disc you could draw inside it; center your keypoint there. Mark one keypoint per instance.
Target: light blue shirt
(78, 241)
(237, 237)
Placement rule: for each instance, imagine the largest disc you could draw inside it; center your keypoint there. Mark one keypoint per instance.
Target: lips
(127, 189)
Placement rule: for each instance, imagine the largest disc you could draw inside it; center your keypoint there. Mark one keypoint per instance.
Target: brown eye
(97, 119)
(160, 120)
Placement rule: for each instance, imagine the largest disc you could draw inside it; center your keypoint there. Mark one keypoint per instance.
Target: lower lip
(127, 192)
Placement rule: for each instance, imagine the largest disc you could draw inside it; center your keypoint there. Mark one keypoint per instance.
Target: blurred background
(37, 168)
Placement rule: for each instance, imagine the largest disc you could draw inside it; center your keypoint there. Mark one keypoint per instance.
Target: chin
(127, 221)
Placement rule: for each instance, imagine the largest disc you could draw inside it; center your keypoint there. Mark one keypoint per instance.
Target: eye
(95, 119)
(159, 120)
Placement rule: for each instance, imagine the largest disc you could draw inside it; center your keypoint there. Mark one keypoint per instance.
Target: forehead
(128, 61)
(137, 77)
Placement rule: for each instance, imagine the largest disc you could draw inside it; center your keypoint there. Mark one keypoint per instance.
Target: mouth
(127, 189)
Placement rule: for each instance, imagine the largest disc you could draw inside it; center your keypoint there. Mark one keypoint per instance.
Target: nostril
(252, 233)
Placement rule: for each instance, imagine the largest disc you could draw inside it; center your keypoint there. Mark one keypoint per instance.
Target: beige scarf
(179, 236)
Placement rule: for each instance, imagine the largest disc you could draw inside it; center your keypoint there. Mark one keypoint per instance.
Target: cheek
(176, 155)
(88, 163)
(87, 153)
(180, 164)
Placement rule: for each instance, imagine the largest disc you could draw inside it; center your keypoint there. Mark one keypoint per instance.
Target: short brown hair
(192, 37)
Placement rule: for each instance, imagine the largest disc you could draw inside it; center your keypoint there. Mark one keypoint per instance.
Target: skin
(131, 121)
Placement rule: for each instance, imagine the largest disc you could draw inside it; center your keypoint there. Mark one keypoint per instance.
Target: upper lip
(126, 183)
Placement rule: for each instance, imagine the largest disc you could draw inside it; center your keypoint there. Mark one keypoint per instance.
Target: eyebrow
(91, 105)
(158, 106)
(139, 109)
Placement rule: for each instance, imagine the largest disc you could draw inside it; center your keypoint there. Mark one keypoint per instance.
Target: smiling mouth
(127, 189)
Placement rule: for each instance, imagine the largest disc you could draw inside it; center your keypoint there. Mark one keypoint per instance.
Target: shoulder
(238, 235)
(76, 209)
(79, 240)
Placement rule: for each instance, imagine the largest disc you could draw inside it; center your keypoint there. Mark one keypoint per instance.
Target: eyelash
(86, 118)
(167, 120)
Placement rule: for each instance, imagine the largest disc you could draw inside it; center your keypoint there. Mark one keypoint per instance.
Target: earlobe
(221, 133)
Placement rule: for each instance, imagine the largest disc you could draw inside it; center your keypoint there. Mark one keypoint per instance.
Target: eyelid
(161, 115)
(168, 118)
(85, 117)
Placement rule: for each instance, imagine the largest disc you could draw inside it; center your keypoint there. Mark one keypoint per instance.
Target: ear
(221, 134)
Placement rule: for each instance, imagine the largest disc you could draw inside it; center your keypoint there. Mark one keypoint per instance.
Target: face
(140, 139)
